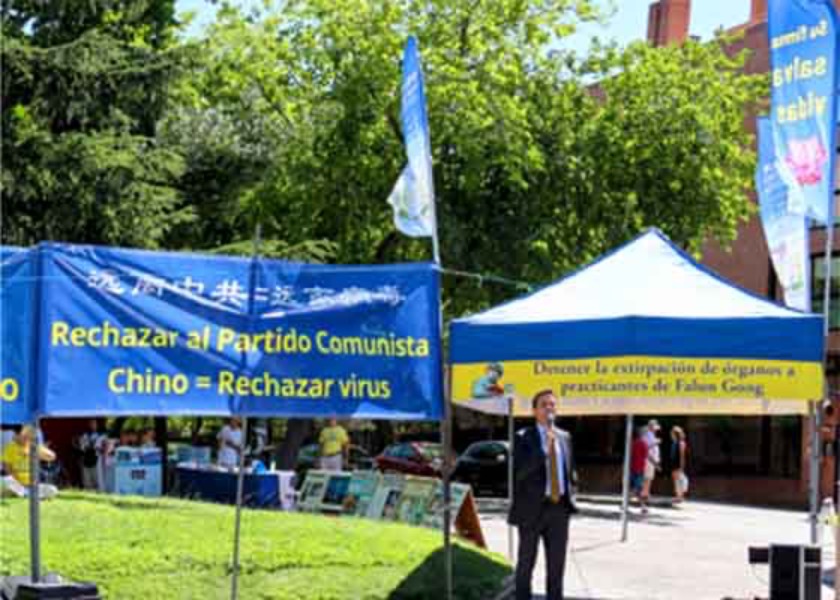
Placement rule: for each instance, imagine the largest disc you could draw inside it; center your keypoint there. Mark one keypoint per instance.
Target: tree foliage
(84, 86)
(118, 131)
(542, 160)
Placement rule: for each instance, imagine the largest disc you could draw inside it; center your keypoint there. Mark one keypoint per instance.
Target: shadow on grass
(124, 502)
(475, 575)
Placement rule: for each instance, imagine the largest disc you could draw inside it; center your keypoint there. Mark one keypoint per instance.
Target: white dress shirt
(561, 461)
(229, 457)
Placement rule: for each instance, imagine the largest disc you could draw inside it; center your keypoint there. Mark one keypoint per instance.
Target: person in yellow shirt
(16, 463)
(334, 444)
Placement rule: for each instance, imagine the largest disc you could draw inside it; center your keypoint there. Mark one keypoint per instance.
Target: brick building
(756, 460)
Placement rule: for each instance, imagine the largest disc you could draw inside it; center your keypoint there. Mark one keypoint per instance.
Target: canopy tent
(643, 329)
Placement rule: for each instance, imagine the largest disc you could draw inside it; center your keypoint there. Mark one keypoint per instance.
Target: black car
(484, 465)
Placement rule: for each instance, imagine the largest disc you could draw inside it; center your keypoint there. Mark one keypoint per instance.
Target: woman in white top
(230, 444)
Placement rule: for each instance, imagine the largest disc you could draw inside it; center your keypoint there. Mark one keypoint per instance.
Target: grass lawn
(137, 548)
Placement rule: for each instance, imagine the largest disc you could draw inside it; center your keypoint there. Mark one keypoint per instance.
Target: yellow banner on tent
(643, 384)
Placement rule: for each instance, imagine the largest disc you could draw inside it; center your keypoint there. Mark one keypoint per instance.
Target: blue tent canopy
(645, 328)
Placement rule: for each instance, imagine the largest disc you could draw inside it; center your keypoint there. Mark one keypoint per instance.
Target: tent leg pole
(447, 492)
(511, 433)
(34, 509)
(625, 477)
(815, 471)
(816, 406)
(240, 485)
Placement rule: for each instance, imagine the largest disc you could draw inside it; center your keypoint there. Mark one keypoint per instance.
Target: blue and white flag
(803, 48)
(781, 202)
(413, 196)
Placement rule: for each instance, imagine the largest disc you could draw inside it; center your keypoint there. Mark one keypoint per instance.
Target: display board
(360, 493)
(416, 497)
(312, 491)
(391, 497)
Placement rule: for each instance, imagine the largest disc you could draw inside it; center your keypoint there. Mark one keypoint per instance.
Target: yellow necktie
(552, 464)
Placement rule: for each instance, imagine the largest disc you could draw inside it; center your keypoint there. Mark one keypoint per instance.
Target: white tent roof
(646, 277)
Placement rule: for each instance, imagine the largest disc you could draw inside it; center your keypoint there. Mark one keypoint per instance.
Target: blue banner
(135, 332)
(17, 302)
(413, 197)
(803, 47)
(785, 228)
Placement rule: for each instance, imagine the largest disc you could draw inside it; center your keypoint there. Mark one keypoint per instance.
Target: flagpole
(817, 412)
(414, 190)
(446, 428)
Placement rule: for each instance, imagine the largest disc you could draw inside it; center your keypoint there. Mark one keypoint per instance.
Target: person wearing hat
(653, 462)
(230, 443)
(489, 384)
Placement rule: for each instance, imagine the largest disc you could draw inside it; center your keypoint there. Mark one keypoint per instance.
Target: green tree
(542, 160)
(85, 84)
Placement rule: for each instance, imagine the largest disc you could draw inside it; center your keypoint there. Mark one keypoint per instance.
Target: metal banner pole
(240, 476)
(447, 487)
(815, 406)
(34, 509)
(625, 478)
(240, 485)
(511, 434)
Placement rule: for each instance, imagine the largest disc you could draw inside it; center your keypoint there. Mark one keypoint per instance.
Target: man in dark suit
(542, 497)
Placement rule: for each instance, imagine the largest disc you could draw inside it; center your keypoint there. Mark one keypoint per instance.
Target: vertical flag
(803, 46)
(781, 205)
(413, 196)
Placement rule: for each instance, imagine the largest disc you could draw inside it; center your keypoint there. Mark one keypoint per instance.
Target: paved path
(695, 552)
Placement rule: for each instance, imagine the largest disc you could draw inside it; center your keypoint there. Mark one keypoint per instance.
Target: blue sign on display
(413, 195)
(135, 332)
(803, 47)
(785, 227)
(17, 303)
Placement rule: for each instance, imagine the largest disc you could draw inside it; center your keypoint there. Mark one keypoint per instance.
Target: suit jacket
(530, 474)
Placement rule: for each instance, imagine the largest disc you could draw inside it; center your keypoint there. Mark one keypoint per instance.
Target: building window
(817, 288)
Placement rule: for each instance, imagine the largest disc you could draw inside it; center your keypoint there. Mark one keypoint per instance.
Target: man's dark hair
(540, 394)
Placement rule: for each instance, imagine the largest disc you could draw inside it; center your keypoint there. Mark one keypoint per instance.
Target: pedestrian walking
(653, 460)
(638, 459)
(679, 456)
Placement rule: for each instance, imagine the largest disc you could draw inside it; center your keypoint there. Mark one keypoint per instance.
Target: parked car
(358, 460)
(484, 465)
(412, 458)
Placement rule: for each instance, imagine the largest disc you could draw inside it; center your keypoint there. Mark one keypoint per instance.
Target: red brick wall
(668, 22)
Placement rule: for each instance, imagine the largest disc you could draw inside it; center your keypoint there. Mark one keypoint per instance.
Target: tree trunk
(297, 430)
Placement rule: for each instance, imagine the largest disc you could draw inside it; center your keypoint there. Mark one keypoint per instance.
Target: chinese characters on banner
(135, 332)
